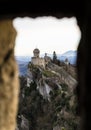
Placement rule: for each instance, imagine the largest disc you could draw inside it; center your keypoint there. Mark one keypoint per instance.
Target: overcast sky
(46, 33)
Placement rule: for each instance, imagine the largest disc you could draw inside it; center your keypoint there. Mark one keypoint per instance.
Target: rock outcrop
(46, 103)
(9, 84)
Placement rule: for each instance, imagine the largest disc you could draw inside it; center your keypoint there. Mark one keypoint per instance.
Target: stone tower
(36, 52)
(36, 59)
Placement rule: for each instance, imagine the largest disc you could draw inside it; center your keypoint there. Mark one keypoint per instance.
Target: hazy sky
(46, 33)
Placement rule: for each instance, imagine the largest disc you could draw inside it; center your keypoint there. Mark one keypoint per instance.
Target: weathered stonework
(9, 84)
(36, 60)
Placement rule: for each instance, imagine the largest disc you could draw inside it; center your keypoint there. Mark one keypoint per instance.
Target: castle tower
(36, 59)
(36, 52)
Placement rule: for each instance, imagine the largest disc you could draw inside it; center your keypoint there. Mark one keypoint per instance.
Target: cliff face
(46, 101)
(53, 75)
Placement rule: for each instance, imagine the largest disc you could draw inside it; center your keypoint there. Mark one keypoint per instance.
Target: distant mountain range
(70, 55)
(23, 61)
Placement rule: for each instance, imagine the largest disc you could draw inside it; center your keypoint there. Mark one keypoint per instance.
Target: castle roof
(36, 50)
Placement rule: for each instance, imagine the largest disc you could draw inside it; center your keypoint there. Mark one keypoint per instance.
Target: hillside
(47, 99)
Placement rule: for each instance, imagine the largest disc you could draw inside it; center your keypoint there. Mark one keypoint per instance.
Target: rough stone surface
(65, 77)
(33, 8)
(84, 70)
(24, 123)
(8, 77)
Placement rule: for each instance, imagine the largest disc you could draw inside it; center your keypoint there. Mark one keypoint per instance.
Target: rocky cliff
(47, 100)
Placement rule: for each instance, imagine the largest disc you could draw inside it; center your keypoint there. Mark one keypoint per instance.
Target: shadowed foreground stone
(8, 77)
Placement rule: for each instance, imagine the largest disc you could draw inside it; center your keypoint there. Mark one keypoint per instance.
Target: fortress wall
(35, 61)
(38, 61)
(42, 62)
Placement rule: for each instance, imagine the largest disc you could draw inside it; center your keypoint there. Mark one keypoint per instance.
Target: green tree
(54, 57)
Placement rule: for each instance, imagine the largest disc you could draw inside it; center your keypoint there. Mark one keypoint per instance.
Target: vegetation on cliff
(58, 113)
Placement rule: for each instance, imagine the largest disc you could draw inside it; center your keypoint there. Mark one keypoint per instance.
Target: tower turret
(36, 52)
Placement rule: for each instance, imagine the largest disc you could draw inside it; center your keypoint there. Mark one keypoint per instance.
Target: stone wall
(84, 70)
(9, 84)
(38, 61)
